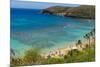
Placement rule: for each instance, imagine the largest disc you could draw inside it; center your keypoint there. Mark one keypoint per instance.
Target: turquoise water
(31, 29)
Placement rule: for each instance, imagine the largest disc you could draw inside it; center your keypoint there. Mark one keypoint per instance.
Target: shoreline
(83, 50)
(60, 52)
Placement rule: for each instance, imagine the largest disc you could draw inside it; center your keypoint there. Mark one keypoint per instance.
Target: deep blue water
(30, 28)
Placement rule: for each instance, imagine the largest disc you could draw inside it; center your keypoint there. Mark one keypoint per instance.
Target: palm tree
(79, 43)
(93, 34)
(87, 36)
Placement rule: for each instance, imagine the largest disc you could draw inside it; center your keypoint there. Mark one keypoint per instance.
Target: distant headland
(82, 11)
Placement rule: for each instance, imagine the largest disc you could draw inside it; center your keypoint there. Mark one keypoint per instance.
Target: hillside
(82, 11)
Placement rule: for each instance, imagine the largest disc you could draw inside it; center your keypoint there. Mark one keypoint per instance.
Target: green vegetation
(33, 57)
(54, 61)
(87, 55)
(79, 43)
(82, 11)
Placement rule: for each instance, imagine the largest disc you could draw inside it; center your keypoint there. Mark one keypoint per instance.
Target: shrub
(32, 56)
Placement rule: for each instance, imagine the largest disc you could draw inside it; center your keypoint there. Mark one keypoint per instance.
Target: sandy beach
(60, 52)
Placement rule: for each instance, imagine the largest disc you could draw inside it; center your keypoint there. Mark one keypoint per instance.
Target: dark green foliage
(79, 43)
(54, 61)
(90, 34)
(86, 55)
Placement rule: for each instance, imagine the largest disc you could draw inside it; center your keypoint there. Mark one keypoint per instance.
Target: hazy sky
(35, 5)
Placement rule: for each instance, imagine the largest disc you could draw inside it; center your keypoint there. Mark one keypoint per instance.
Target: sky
(36, 5)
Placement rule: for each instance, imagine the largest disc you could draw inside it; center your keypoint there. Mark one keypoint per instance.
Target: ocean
(32, 29)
